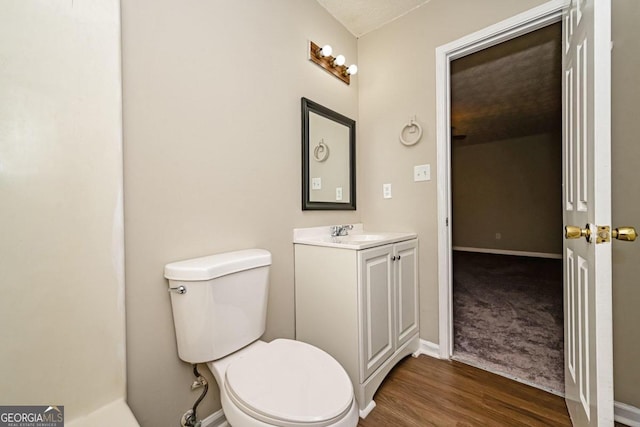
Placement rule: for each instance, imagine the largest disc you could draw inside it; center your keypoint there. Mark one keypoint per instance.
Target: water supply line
(190, 418)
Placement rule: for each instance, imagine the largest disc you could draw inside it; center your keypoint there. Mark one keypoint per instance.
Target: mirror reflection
(328, 148)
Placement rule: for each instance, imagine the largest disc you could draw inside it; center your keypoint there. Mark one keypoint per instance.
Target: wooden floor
(425, 391)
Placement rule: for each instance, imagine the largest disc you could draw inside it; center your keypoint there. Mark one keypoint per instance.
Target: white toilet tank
(219, 302)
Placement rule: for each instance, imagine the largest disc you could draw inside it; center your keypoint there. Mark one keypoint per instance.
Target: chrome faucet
(340, 230)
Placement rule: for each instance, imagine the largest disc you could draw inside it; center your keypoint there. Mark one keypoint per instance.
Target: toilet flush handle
(180, 289)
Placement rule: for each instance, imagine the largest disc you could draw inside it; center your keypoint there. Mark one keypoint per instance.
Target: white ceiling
(363, 16)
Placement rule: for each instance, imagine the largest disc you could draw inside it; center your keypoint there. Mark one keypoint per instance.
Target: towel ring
(321, 152)
(412, 123)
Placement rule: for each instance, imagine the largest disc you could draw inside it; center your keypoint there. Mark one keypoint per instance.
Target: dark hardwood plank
(425, 391)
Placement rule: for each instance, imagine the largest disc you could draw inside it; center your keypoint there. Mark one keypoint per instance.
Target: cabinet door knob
(398, 257)
(393, 258)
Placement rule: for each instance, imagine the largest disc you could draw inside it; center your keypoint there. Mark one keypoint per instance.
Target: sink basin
(357, 239)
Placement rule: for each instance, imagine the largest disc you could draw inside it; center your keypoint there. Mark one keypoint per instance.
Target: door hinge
(446, 222)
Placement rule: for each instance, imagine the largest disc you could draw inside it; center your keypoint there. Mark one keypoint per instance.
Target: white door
(587, 204)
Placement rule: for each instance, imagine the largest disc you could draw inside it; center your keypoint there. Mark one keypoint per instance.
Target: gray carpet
(508, 316)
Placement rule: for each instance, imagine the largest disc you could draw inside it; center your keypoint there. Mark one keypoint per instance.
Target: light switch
(386, 191)
(338, 193)
(422, 173)
(316, 183)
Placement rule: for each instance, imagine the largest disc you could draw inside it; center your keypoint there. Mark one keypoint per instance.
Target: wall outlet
(498, 236)
(422, 173)
(338, 193)
(316, 183)
(386, 191)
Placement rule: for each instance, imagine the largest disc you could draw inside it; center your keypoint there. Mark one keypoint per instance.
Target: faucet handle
(340, 230)
(344, 229)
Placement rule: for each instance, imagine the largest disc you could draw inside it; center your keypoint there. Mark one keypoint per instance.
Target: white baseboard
(507, 252)
(217, 419)
(366, 411)
(627, 414)
(428, 349)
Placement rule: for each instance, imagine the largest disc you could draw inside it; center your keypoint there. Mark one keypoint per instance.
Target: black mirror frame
(307, 204)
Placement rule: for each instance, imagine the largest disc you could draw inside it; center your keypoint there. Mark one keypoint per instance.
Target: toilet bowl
(219, 307)
(284, 383)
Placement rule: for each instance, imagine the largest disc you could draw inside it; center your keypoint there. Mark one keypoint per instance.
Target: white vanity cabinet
(361, 306)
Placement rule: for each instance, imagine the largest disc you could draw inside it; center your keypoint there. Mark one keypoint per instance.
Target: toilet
(219, 305)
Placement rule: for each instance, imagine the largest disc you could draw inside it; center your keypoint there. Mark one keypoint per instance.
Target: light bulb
(325, 50)
(339, 61)
(353, 69)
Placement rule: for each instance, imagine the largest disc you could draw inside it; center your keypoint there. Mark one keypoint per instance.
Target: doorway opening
(506, 203)
(496, 157)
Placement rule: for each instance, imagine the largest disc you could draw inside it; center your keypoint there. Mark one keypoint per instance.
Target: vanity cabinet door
(406, 278)
(377, 308)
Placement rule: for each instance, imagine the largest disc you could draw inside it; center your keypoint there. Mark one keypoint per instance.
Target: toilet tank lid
(212, 266)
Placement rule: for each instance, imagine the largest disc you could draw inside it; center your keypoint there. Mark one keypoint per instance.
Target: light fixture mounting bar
(340, 71)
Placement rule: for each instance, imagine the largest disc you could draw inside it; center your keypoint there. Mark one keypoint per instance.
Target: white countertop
(357, 238)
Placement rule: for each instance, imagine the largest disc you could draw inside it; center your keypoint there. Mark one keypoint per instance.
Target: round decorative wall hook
(412, 126)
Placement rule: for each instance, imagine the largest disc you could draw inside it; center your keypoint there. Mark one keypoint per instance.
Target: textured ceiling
(362, 16)
(509, 90)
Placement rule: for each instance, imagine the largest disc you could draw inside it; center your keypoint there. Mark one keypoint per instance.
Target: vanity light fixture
(334, 65)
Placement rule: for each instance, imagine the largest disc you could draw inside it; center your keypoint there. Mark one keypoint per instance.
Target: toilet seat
(290, 383)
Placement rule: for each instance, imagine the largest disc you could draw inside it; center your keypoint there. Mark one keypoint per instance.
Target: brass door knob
(573, 232)
(627, 234)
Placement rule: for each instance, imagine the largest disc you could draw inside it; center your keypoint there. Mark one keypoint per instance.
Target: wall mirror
(328, 159)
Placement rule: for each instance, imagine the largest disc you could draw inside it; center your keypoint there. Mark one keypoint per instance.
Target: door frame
(523, 23)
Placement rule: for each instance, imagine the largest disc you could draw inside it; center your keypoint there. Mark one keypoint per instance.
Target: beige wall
(213, 161)
(61, 257)
(512, 187)
(396, 81)
(626, 207)
(388, 96)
